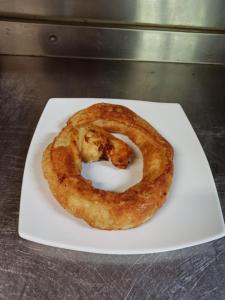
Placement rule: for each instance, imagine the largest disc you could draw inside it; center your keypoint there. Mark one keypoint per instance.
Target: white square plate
(191, 215)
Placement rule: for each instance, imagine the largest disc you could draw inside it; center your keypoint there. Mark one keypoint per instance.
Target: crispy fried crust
(96, 143)
(101, 209)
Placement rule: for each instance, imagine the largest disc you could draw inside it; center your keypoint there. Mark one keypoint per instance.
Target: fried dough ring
(103, 209)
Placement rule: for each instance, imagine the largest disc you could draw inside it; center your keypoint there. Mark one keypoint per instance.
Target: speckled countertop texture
(33, 271)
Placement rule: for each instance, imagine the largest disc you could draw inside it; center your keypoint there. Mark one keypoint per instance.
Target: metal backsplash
(192, 13)
(111, 43)
(149, 30)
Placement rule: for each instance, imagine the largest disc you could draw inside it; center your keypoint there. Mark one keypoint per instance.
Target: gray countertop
(32, 271)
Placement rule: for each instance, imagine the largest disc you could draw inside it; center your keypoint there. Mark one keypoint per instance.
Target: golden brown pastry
(80, 140)
(96, 144)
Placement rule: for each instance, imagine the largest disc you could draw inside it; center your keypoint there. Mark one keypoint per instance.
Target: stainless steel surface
(31, 271)
(21, 38)
(201, 13)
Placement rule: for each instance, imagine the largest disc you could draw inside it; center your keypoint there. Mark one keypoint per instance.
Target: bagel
(62, 162)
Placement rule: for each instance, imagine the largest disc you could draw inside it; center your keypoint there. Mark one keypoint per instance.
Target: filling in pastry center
(105, 176)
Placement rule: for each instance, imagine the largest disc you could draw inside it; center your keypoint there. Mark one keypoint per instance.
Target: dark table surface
(32, 271)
